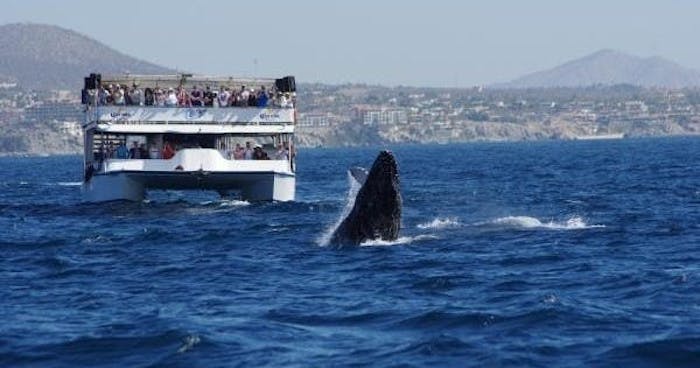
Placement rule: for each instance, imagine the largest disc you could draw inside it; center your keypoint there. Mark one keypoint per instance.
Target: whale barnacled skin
(377, 210)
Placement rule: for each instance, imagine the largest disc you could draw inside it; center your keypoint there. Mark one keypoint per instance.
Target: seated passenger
(154, 152)
(122, 152)
(248, 153)
(196, 97)
(282, 153)
(238, 152)
(135, 152)
(144, 150)
(168, 151)
(259, 153)
(171, 98)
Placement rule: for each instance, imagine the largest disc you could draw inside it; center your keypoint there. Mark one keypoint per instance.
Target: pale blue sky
(424, 43)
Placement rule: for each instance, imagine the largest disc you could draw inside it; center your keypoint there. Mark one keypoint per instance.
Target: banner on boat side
(124, 114)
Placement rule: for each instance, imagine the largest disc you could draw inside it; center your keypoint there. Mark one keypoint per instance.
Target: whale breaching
(376, 214)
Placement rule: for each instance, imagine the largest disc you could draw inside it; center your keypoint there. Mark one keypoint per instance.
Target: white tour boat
(136, 140)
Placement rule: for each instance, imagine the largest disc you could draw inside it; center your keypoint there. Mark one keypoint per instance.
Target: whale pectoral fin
(359, 174)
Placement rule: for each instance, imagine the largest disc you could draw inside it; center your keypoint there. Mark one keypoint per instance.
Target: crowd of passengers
(118, 94)
(140, 151)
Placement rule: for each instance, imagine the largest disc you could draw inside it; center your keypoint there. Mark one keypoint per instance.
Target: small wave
(400, 240)
(527, 222)
(439, 223)
(69, 183)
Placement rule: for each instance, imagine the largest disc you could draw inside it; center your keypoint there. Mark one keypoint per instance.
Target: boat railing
(184, 115)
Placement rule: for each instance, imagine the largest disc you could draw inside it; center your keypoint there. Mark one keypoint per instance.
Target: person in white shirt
(136, 95)
(223, 96)
(171, 99)
(153, 151)
(243, 97)
(248, 153)
(119, 96)
(281, 153)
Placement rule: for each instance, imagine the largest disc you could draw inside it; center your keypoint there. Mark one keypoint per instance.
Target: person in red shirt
(168, 151)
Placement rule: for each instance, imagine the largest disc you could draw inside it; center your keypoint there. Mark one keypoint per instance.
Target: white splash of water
(527, 222)
(400, 240)
(233, 203)
(327, 234)
(188, 343)
(439, 223)
(69, 183)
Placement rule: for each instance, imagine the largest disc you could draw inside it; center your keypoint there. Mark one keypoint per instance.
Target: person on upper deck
(243, 96)
(223, 96)
(209, 97)
(160, 97)
(262, 97)
(196, 96)
(118, 95)
(252, 98)
(233, 100)
(135, 95)
(183, 98)
(171, 98)
(102, 95)
(148, 97)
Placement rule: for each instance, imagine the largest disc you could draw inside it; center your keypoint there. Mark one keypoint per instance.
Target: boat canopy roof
(185, 80)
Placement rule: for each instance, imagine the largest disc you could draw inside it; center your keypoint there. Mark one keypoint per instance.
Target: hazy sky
(424, 43)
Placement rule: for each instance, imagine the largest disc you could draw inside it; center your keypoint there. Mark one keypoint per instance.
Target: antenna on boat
(183, 78)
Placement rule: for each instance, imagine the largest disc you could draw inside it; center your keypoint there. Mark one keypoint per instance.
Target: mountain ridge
(609, 67)
(43, 56)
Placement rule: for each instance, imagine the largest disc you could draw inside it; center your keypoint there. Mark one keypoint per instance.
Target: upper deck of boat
(189, 104)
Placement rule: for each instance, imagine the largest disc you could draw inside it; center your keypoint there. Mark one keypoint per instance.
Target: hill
(609, 67)
(44, 57)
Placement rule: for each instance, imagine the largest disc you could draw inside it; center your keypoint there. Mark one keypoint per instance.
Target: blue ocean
(547, 254)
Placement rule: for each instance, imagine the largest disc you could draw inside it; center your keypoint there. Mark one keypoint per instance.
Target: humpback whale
(377, 210)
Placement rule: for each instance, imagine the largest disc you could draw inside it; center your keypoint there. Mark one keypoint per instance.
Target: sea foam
(527, 222)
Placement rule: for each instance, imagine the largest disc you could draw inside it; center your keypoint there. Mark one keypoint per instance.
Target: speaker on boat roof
(89, 82)
(286, 84)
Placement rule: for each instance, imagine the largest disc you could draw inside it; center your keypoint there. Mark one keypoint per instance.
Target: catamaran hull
(133, 185)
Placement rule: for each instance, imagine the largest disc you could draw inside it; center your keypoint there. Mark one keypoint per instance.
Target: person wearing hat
(259, 154)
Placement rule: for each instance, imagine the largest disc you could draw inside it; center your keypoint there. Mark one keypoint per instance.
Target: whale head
(376, 214)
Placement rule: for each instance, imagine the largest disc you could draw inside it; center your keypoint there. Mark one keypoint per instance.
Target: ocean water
(567, 254)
